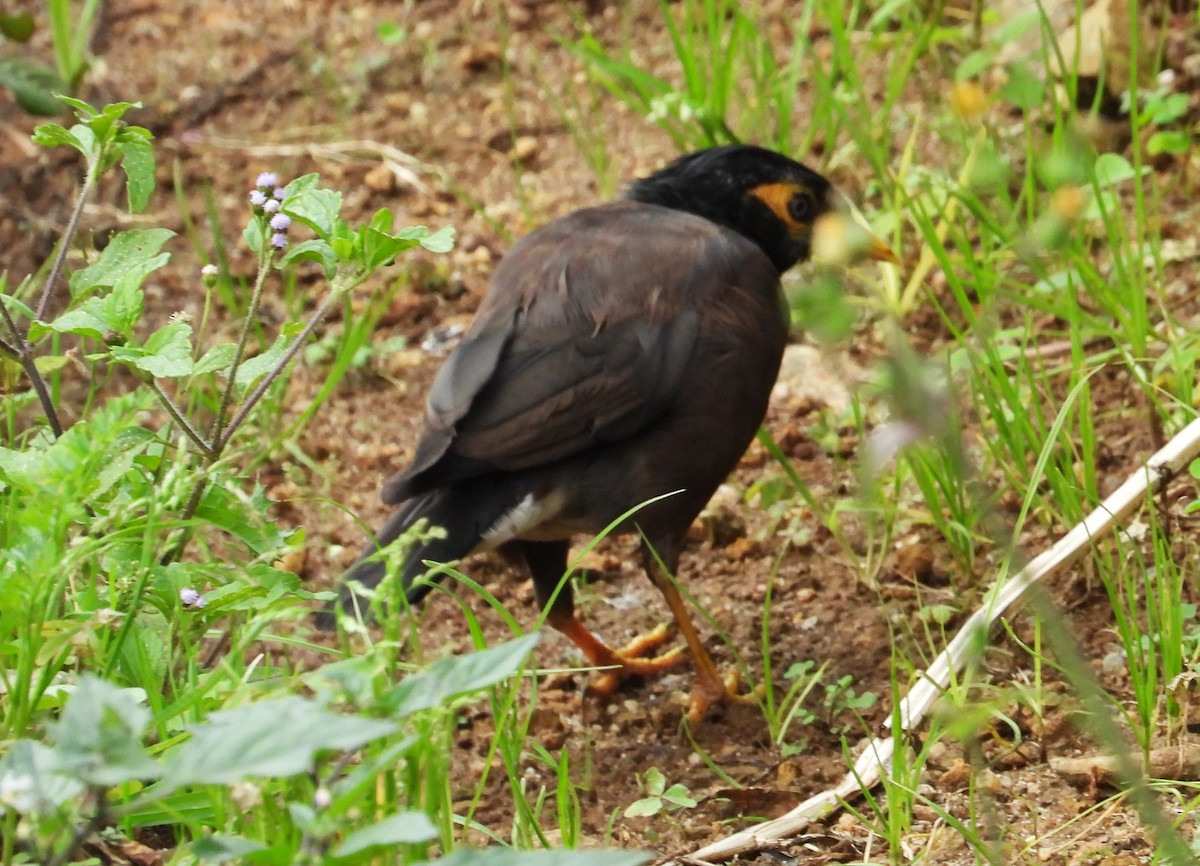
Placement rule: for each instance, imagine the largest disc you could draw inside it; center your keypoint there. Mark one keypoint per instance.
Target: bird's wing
(583, 339)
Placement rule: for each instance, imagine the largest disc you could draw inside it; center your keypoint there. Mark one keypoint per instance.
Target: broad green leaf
(138, 162)
(403, 828)
(511, 857)
(98, 738)
(312, 250)
(236, 513)
(129, 253)
(647, 807)
(379, 248)
(441, 241)
(221, 849)
(167, 354)
(459, 675)
(251, 369)
(33, 87)
(29, 770)
(1112, 169)
(87, 320)
(266, 738)
(218, 358)
(315, 207)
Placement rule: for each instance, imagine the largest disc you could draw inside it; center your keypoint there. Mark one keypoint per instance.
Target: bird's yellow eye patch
(794, 204)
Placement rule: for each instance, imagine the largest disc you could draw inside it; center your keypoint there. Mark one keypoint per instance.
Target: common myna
(624, 353)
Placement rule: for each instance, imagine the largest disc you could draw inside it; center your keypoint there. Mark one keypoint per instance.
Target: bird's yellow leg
(631, 660)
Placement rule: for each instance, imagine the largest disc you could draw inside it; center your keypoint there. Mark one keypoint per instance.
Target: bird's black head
(765, 196)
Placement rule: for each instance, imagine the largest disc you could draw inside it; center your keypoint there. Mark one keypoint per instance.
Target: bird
(614, 374)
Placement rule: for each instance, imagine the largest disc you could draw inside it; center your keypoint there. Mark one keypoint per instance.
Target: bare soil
(474, 95)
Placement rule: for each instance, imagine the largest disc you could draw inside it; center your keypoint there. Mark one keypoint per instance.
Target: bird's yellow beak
(838, 239)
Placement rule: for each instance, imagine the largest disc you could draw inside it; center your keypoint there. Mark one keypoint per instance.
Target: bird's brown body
(624, 353)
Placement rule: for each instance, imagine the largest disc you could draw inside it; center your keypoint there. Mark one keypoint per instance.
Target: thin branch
(89, 181)
(264, 263)
(177, 415)
(258, 392)
(31, 370)
(876, 759)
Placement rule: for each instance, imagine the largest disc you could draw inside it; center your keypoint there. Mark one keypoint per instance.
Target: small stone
(525, 148)
(380, 179)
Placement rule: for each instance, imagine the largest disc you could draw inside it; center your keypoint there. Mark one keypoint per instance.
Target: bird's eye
(802, 206)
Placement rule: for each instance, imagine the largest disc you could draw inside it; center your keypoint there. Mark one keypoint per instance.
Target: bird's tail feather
(461, 516)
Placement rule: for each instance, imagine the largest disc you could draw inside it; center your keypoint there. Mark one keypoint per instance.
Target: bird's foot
(633, 660)
(710, 689)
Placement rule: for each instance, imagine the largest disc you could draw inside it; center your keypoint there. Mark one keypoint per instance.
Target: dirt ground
(474, 98)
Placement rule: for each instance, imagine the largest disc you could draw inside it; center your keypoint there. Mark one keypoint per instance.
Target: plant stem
(264, 263)
(177, 415)
(256, 395)
(89, 182)
(31, 370)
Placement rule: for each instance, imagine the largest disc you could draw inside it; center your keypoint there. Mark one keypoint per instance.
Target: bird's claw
(632, 660)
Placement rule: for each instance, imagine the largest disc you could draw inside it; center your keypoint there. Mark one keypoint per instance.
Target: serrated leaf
(138, 162)
(315, 207)
(441, 241)
(53, 135)
(167, 354)
(313, 250)
(220, 849)
(459, 675)
(251, 369)
(511, 857)
(128, 254)
(86, 320)
(266, 738)
(403, 828)
(216, 359)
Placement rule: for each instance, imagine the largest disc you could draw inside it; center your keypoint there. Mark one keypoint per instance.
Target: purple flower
(271, 206)
(279, 240)
(280, 222)
(267, 180)
(191, 599)
(280, 193)
(258, 198)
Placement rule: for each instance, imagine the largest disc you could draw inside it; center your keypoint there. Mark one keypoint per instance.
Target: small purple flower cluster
(265, 199)
(191, 599)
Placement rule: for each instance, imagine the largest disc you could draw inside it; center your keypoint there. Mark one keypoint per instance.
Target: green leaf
(216, 359)
(510, 857)
(313, 250)
(33, 86)
(240, 517)
(29, 769)
(403, 828)
(98, 738)
(647, 807)
(131, 254)
(1023, 89)
(220, 849)
(167, 354)
(655, 781)
(87, 320)
(138, 162)
(459, 675)
(18, 27)
(1168, 142)
(1112, 169)
(441, 241)
(973, 64)
(266, 738)
(315, 207)
(251, 369)
(679, 795)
